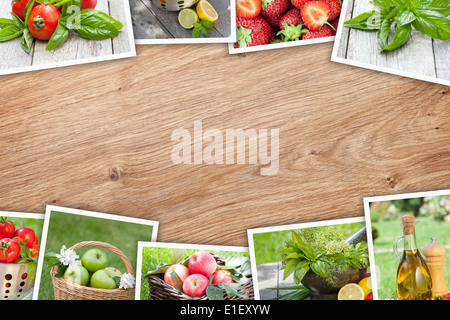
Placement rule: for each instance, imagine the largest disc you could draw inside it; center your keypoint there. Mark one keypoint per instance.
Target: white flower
(68, 257)
(127, 281)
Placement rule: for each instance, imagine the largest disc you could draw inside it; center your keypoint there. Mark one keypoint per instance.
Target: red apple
(181, 271)
(203, 263)
(195, 285)
(222, 276)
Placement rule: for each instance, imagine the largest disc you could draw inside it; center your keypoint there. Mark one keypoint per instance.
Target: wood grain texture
(98, 137)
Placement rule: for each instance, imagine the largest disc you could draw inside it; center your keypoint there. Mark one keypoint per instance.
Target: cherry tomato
(369, 296)
(9, 250)
(18, 7)
(89, 4)
(35, 251)
(27, 234)
(43, 21)
(7, 228)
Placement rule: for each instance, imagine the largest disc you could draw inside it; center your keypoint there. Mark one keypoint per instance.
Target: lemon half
(187, 18)
(366, 285)
(351, 291)
(206, 11)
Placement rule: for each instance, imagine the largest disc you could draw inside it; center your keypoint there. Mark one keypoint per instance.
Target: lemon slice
(351, 291)
(206, 11)
(366, 285)
(187, 18)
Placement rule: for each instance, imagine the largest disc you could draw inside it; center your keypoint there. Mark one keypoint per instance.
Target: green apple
(102, 280)
(113, 272)
(77, 274)
(94, 259)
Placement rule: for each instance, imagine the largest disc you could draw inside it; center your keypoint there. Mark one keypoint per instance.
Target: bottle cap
(408, 222)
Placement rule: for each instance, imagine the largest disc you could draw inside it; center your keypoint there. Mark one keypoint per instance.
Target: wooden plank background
(98, 137)
(421, 55)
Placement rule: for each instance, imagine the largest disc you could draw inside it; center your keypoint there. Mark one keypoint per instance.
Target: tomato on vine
(27, 234)
(89, 4)
(9, 250)
(43, 21)
(18, 7)
(7, 228)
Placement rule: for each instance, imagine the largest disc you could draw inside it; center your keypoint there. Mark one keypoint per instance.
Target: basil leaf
(365, 21)
(10, 32)
(59, 37)
(405, 16)
(402, 34)
(68, 6)
(96, 25)
(27, 40)
(383, 32)
(432, 23)
(17, 21)
(5, 22)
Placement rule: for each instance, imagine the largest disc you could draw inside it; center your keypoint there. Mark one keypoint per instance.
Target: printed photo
(169, 271)
(35, 36)
(20, 238)
(410, 42)
(274, 24)
(326, 260)
(89, 255)
(410, 238)
(188, 21)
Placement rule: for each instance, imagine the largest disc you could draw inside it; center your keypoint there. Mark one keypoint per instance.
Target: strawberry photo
(282, 23)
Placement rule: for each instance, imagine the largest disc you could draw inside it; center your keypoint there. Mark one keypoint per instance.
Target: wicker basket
(160, 290)
(66, 290)
(174, 5)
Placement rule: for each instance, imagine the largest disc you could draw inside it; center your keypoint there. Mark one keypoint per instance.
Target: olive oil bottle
(413, 276)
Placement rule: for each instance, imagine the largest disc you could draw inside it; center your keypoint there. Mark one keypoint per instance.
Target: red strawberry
(299, 3)
(292, 17)
(252, 32)
(335, 24)
(335, 8)
(315, 14)
(272, 7)
(322, 32)
(273, 19)
(248, 8)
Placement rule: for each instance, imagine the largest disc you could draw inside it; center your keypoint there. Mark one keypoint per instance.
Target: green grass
(385, 260)
(154, 256)
(69, 229)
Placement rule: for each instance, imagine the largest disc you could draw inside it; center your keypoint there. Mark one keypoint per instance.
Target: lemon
(351, 291)
(206, 11)
(187, 18)
(366, 285)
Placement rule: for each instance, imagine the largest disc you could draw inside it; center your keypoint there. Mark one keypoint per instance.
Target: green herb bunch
(323, 251)
(87, 23)
(429, 17)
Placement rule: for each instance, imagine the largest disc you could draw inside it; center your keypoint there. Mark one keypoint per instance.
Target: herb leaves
(429, 17)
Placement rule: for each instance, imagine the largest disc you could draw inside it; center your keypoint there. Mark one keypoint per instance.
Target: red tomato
(9, 250)
(89, 4)
(43, 21)
(369, 296)
(18, 7)
(7, 228)
(35, 251)
(27, 234)
(447, 296)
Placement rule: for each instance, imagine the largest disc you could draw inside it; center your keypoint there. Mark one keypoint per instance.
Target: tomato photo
(18, 7)
(7, 228)
(9, 250)
(43, 21)
(27, 234)
(89, 4)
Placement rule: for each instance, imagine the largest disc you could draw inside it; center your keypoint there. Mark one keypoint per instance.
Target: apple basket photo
(14, 281)
(66, 290)
(174, 5)
(160, 290)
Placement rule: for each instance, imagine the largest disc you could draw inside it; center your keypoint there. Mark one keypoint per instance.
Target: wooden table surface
(421, 55)
(12, 55)
(98, 137)
(152, 22)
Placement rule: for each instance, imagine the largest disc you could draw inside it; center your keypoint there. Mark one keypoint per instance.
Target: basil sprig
(430, 17)
(88, 24)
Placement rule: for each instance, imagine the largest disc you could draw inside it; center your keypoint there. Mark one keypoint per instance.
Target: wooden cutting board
(98, 137)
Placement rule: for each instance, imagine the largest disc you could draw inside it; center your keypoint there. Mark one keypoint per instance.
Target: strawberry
(335, 24)
(315, 14)
(273, 19)
(271, 7)
(322, 32)
(299, 3)
(291, 25)
(248, 8)
(252, 32)
(335, 8)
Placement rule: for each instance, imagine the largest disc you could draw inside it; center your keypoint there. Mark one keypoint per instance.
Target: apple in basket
(195, 285)
(221, 276)
(94, 259)
(77, 274)
(104, 278)
(202, 262)
(180, 270)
